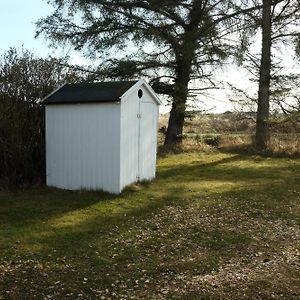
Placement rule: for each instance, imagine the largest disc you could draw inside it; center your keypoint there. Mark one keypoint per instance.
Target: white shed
(101, 135)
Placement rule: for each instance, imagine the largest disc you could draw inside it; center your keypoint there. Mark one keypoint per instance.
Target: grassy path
(211, 226)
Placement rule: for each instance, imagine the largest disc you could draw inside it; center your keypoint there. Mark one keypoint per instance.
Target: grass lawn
(211, 226)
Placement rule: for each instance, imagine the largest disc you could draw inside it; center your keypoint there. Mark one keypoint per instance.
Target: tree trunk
(184, 61)
(177, 113)
(262, 127)
(175, 125)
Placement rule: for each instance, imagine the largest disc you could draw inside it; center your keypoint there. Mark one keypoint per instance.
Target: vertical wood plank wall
(83, 146)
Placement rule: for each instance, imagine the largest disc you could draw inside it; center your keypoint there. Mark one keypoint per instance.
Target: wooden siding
(83, 146)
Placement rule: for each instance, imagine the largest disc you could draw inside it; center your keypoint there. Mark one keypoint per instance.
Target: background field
(235, 131)
(211, 226)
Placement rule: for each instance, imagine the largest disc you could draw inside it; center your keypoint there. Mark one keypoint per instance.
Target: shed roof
(89, 92)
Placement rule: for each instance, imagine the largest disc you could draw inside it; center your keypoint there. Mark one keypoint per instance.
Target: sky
(17, 19)
(17, 23)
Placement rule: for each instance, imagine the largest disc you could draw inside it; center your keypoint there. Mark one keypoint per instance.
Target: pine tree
(187, 38)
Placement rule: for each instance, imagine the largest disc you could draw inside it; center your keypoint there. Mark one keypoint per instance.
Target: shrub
(24, 81)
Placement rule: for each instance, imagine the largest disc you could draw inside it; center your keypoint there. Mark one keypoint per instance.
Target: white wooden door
(147, 142)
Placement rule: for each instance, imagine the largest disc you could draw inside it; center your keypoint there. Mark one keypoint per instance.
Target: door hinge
(139, 116)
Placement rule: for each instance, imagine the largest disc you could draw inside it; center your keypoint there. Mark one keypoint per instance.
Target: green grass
(211, 226)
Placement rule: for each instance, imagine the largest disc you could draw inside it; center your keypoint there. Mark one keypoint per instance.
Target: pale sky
(17, 18)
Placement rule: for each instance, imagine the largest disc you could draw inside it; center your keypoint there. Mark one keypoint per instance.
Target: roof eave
(83, 102)
(52, 93)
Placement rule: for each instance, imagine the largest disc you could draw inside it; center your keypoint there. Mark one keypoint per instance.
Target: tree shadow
(224, 170)
(101, 224)
(153, 231)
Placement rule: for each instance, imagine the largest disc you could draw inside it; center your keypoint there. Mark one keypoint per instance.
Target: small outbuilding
(101, 135)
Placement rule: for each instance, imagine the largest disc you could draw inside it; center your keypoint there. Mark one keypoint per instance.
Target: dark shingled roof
(89, 92)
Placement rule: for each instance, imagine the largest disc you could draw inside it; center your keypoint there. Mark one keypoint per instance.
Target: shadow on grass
(108, 238)
(34, 205)
(113, 216)
(226, 169)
